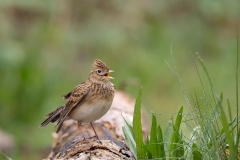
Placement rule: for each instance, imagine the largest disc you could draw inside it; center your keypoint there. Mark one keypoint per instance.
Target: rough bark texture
(69, 143)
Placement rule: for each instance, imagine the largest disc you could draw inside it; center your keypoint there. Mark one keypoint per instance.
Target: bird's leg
(95, 132)
(79, 124)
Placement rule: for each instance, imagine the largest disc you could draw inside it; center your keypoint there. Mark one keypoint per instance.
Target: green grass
(214, 134)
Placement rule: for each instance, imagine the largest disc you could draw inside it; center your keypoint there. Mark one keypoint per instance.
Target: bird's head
(100, 72)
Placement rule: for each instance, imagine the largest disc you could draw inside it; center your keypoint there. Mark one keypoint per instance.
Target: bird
(88, 101)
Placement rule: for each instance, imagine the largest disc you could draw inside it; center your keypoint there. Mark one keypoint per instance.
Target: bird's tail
(53, 116)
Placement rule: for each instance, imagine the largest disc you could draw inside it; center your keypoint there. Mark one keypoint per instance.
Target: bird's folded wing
(73, 98)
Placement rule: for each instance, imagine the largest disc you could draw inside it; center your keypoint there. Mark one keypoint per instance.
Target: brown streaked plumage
(88, 101)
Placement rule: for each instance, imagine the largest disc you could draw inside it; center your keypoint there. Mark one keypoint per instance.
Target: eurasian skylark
(88, 101)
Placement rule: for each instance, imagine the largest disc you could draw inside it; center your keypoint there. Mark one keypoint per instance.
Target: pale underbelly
(85, 113)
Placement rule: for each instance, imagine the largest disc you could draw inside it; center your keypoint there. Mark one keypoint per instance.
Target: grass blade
(226, 129)
(127, 122)
(167, 136)
(130, 140)
(178, 119)
(229, 109)
(176, 146)
(128, 134)
(234, 123)
(153, 138)
(238, 135)
(196, 154)
(160, 144)
(208, 76)
(147, 153)
(137, 127)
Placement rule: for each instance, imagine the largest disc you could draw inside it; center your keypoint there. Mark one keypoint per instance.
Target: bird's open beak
(107, 74)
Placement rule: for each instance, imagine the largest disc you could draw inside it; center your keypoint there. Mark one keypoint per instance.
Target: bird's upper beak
(107, 74)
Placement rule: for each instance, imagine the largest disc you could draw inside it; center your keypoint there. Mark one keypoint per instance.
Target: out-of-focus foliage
(47, 47)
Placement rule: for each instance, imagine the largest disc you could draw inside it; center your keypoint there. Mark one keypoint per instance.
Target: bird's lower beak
(107, 75)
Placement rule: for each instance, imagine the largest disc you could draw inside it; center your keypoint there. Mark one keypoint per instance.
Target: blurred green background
(47, 48)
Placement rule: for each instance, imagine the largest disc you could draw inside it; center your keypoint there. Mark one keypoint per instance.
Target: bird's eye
(99, 71)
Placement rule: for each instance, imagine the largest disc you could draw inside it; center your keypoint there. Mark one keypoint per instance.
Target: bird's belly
(86, 113)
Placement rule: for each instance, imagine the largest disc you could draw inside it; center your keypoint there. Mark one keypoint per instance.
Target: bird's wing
(73, 98)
